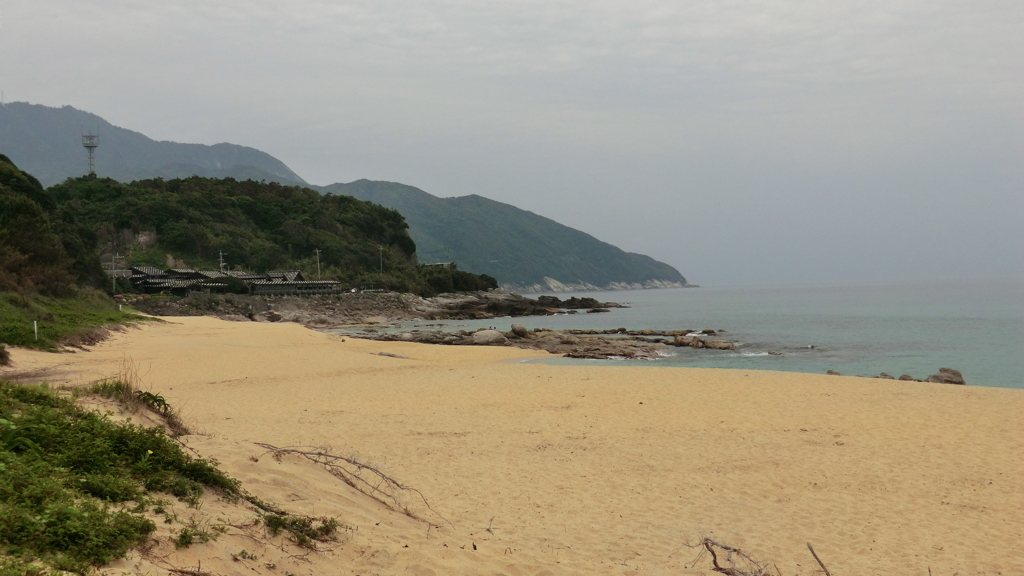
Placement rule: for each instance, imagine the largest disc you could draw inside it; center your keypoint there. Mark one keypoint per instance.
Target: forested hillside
(43, 247)
(46, 142)
(515, 246)
(256, 226)
(49, 270)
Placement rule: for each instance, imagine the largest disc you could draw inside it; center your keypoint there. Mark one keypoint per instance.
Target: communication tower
(91, 142)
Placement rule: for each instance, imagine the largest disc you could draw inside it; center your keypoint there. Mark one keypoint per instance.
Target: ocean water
(974, 327)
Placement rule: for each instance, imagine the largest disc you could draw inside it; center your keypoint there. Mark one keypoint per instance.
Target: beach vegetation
(303, 530)
(74, 485)
(194, 533)
(125, 390)
(50, 322)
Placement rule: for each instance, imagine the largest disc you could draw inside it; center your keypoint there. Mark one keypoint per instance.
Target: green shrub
(304, 530)
(67, 478)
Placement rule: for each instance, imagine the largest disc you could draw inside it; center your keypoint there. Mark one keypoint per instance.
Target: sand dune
(592, 470)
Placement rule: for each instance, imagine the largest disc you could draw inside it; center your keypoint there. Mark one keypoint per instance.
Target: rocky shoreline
(361, 315)
(354, 308)
(591, 344)
(944, 376)
(368, 315)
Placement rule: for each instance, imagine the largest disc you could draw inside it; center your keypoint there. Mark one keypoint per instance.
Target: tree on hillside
(43, 247)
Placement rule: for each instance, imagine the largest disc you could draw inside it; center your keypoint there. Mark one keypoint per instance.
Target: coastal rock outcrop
(947, 376)
(489, 338)
(360, 308)
(698, 342)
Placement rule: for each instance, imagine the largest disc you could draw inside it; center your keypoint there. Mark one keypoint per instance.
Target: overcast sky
(743, 142)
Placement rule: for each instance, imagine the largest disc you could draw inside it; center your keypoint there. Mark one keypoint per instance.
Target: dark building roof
(150, 279)
(147, 270)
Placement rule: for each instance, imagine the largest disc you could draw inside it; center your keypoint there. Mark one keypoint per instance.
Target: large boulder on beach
(489, 338)
(946, 376)
(520, 330)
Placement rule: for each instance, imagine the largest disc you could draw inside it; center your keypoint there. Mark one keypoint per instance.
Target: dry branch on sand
(359, 475)
(739, 563)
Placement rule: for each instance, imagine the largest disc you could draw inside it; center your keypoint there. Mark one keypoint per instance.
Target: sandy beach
(588, 470)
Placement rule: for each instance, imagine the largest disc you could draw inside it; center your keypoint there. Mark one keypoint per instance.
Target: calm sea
(974, 327)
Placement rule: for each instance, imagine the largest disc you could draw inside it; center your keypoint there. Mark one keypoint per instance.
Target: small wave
(753, 354)
(667, 354)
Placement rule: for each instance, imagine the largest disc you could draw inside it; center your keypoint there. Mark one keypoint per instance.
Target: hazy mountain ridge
(46, 142)
(522, 250)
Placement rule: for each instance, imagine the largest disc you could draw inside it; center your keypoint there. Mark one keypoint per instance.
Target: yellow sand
(598, 470)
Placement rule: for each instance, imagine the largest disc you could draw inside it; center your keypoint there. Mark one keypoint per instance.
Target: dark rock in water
(549, 302)
(580, 303)
(596, 310)
(833, 373)
(946, 376)
(708, 331)
(885, 376)
(771, 352)
(520, 330)
(907, 378)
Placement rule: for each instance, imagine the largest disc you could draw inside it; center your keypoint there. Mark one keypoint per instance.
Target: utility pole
(317, 263)
(222, 255)
(113, 272)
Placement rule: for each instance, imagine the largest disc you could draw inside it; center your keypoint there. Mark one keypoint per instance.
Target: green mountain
(47, 142)
(522, 250)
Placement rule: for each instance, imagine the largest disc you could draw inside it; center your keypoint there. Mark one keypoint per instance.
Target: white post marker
(35, 328)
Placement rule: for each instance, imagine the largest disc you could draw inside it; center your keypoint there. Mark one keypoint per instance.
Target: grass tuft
(124, 389)
(304, 530)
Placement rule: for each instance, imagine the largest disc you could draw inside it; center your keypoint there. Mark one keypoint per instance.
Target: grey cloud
(783, 139)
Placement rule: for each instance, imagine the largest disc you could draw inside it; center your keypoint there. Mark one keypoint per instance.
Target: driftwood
(822, 564)
(739, 563)
(359, 475)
